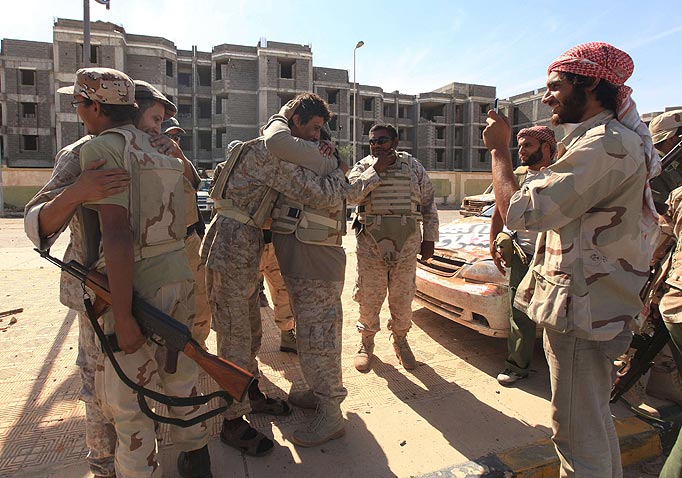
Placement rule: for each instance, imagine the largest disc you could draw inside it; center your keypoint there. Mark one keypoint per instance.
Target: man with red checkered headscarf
(597, 224)
(537, 147)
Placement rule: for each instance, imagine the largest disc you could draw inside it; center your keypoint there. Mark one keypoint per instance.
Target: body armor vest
(259, 214)
(392, 211)
(156, 211)
(322, 227)
(394, 197)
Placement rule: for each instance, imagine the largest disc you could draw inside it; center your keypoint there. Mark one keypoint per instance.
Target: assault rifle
(154, 322)
(648, 346)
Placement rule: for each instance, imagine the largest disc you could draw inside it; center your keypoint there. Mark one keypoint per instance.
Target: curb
(639, 441)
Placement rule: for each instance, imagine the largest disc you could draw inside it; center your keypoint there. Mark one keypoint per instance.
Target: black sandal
(244, 438)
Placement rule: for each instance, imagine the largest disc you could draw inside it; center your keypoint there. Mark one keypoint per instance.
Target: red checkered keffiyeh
(542, 134)
(599, 60)
(606, 62)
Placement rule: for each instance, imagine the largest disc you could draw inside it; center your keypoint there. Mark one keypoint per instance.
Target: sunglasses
(75, 103)
(380, 140)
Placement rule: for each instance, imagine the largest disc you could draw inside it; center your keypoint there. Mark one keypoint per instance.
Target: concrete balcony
(220, 86)
(286, 84)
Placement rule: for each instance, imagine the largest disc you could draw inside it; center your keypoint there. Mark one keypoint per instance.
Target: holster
(506, 246)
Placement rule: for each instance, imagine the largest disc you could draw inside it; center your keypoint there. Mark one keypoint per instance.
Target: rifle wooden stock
(229, 376)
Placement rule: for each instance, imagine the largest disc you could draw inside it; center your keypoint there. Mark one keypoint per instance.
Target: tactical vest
(394, 196)
(322, 227)
(156, 211)
(392, 210)
(260, 213)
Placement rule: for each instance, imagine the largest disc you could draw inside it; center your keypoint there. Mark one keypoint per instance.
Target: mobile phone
(497, 105)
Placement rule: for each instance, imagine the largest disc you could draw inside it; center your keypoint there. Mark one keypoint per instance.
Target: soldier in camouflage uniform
(148, 253)
(666, 131)
(389, 239)
(537, 147)
(245, 189)
(307, 242)
(598, 226)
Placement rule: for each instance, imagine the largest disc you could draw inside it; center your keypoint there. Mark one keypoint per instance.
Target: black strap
(143, 392)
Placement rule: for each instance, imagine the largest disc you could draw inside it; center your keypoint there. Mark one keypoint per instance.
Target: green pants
(673, 465)
(522, 330)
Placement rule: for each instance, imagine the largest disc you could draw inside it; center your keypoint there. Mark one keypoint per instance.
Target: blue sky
(412, 46)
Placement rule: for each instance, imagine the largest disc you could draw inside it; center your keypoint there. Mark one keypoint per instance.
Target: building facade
(230, 92)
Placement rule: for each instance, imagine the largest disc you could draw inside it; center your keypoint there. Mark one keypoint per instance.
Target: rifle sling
(143, 392)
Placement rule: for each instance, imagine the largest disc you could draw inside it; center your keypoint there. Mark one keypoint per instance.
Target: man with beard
(537, 147)
(389, 238)
(597, 222)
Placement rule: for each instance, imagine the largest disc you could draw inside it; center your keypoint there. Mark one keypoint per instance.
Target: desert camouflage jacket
(592, 258)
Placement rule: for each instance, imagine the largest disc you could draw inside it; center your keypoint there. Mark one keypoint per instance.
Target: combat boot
(363, 359)
(403, 351)
(636, 397)
(195, 463)
(665, 382)
(288, 341)
(327, 425)
(303, 399)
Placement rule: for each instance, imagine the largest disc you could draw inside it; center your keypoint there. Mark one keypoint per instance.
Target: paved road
(448, 411)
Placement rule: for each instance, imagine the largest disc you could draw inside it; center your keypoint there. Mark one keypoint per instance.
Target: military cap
(665, 125)
(171, 124)
(104, 85)
(145, 91)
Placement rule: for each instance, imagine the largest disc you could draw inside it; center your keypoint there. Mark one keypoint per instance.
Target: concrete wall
(462, 183)
(19, 185)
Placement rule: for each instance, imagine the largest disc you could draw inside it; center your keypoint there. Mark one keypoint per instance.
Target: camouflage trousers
(136, 449)
(375, 277)
(319, 321)
(269, 268)
(202, 319)
(100, 435)
(232, 285)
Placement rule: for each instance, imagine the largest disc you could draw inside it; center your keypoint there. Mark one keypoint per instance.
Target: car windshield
(488, 212)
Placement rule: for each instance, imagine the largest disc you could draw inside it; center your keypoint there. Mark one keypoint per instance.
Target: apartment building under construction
(229, 92)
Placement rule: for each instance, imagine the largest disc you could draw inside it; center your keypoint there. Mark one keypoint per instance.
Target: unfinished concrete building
(230, 92)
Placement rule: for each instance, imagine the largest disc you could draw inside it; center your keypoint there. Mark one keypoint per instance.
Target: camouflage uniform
(314, 271)
(100, 435)
(671, 310)
(591, 261)
(385, 264)
(162, 277)
(232, 249)
(269, 268)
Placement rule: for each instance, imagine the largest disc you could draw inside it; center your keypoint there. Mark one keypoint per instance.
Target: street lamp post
(355, 100)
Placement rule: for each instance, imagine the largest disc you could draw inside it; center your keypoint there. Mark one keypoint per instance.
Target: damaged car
(461, 282)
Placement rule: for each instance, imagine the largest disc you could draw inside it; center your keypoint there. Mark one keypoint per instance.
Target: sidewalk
(447, 416)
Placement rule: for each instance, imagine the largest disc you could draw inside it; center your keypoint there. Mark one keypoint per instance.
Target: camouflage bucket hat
(665, 125)
(104, 85)
(171, 124)
(145, 91)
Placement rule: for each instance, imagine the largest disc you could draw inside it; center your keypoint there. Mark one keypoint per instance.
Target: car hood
(466, 238)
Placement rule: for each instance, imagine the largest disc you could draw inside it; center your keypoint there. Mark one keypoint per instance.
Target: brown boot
(403, 351)
(327, 425)
(363, 358)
